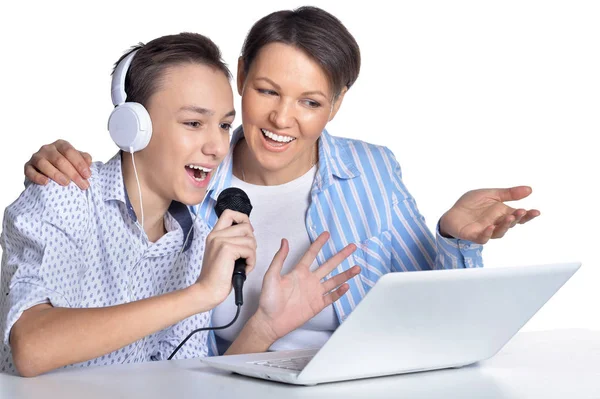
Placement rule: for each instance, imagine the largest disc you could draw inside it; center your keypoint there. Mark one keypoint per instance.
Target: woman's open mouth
(276, 142)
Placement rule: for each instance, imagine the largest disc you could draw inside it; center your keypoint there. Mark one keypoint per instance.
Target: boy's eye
(194, 124)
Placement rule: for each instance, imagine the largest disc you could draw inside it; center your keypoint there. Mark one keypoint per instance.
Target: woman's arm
(60, 162)
(476, 217)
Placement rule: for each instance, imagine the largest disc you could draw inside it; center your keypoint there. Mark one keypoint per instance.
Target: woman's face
(286, 103)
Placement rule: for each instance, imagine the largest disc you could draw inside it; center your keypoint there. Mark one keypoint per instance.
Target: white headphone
(129, 123)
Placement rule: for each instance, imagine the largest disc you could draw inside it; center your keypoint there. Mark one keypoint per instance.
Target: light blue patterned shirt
(83, 249)
(359, 197)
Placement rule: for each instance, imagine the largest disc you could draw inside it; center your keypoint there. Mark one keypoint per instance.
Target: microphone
(235, 199)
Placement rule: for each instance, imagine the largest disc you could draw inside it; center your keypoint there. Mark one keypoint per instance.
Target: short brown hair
(316, 32)
(146, 70)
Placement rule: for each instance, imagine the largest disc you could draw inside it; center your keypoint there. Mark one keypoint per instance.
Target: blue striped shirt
(359, 197)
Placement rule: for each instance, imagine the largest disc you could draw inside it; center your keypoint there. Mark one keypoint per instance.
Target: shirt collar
(334, 160)
(113, 189)
(111, 180)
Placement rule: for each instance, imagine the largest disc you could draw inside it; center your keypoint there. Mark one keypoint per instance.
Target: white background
(468, 94)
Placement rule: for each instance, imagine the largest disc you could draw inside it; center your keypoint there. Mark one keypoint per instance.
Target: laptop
(416, 321)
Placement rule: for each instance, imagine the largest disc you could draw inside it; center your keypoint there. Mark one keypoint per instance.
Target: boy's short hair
(147, 67)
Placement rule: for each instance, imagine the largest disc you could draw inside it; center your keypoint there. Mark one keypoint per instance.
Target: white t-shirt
(278, 212)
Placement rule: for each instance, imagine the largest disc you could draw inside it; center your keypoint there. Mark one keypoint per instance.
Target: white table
(549, 364)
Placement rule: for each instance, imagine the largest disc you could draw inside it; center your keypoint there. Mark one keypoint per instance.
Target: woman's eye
(267, 91)
(312, 103)
(226, 126)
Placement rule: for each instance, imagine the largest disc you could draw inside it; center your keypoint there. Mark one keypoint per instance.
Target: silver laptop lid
(416, 321)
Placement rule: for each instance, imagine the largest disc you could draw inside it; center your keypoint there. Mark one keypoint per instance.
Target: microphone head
(235, 199)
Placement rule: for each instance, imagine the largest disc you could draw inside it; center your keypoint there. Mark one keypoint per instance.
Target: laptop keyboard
(295, 363)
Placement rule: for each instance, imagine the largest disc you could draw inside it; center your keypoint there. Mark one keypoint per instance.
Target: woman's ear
(241, 76)
(337, 103)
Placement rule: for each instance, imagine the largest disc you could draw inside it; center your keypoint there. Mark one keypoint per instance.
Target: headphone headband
(117, 91)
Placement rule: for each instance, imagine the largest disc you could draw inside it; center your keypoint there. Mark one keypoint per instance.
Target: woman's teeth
(276, 137)
(200, 172)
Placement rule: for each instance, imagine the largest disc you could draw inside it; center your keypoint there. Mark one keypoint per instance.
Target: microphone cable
(237, 313)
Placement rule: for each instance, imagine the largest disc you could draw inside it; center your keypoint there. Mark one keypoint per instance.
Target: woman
(121, 272)
(294, 71)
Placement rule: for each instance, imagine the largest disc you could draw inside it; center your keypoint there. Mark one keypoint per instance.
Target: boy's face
(192, 113)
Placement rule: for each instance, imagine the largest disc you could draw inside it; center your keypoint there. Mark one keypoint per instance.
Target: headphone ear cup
(130, 126)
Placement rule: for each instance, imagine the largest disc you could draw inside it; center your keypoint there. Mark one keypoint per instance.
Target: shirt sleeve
(414, 247)
(40, 259)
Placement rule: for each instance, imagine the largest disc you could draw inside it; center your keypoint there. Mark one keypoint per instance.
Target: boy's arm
(46, 337)
(41, 265)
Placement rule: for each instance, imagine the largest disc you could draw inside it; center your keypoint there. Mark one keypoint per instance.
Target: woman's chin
(270, 161)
